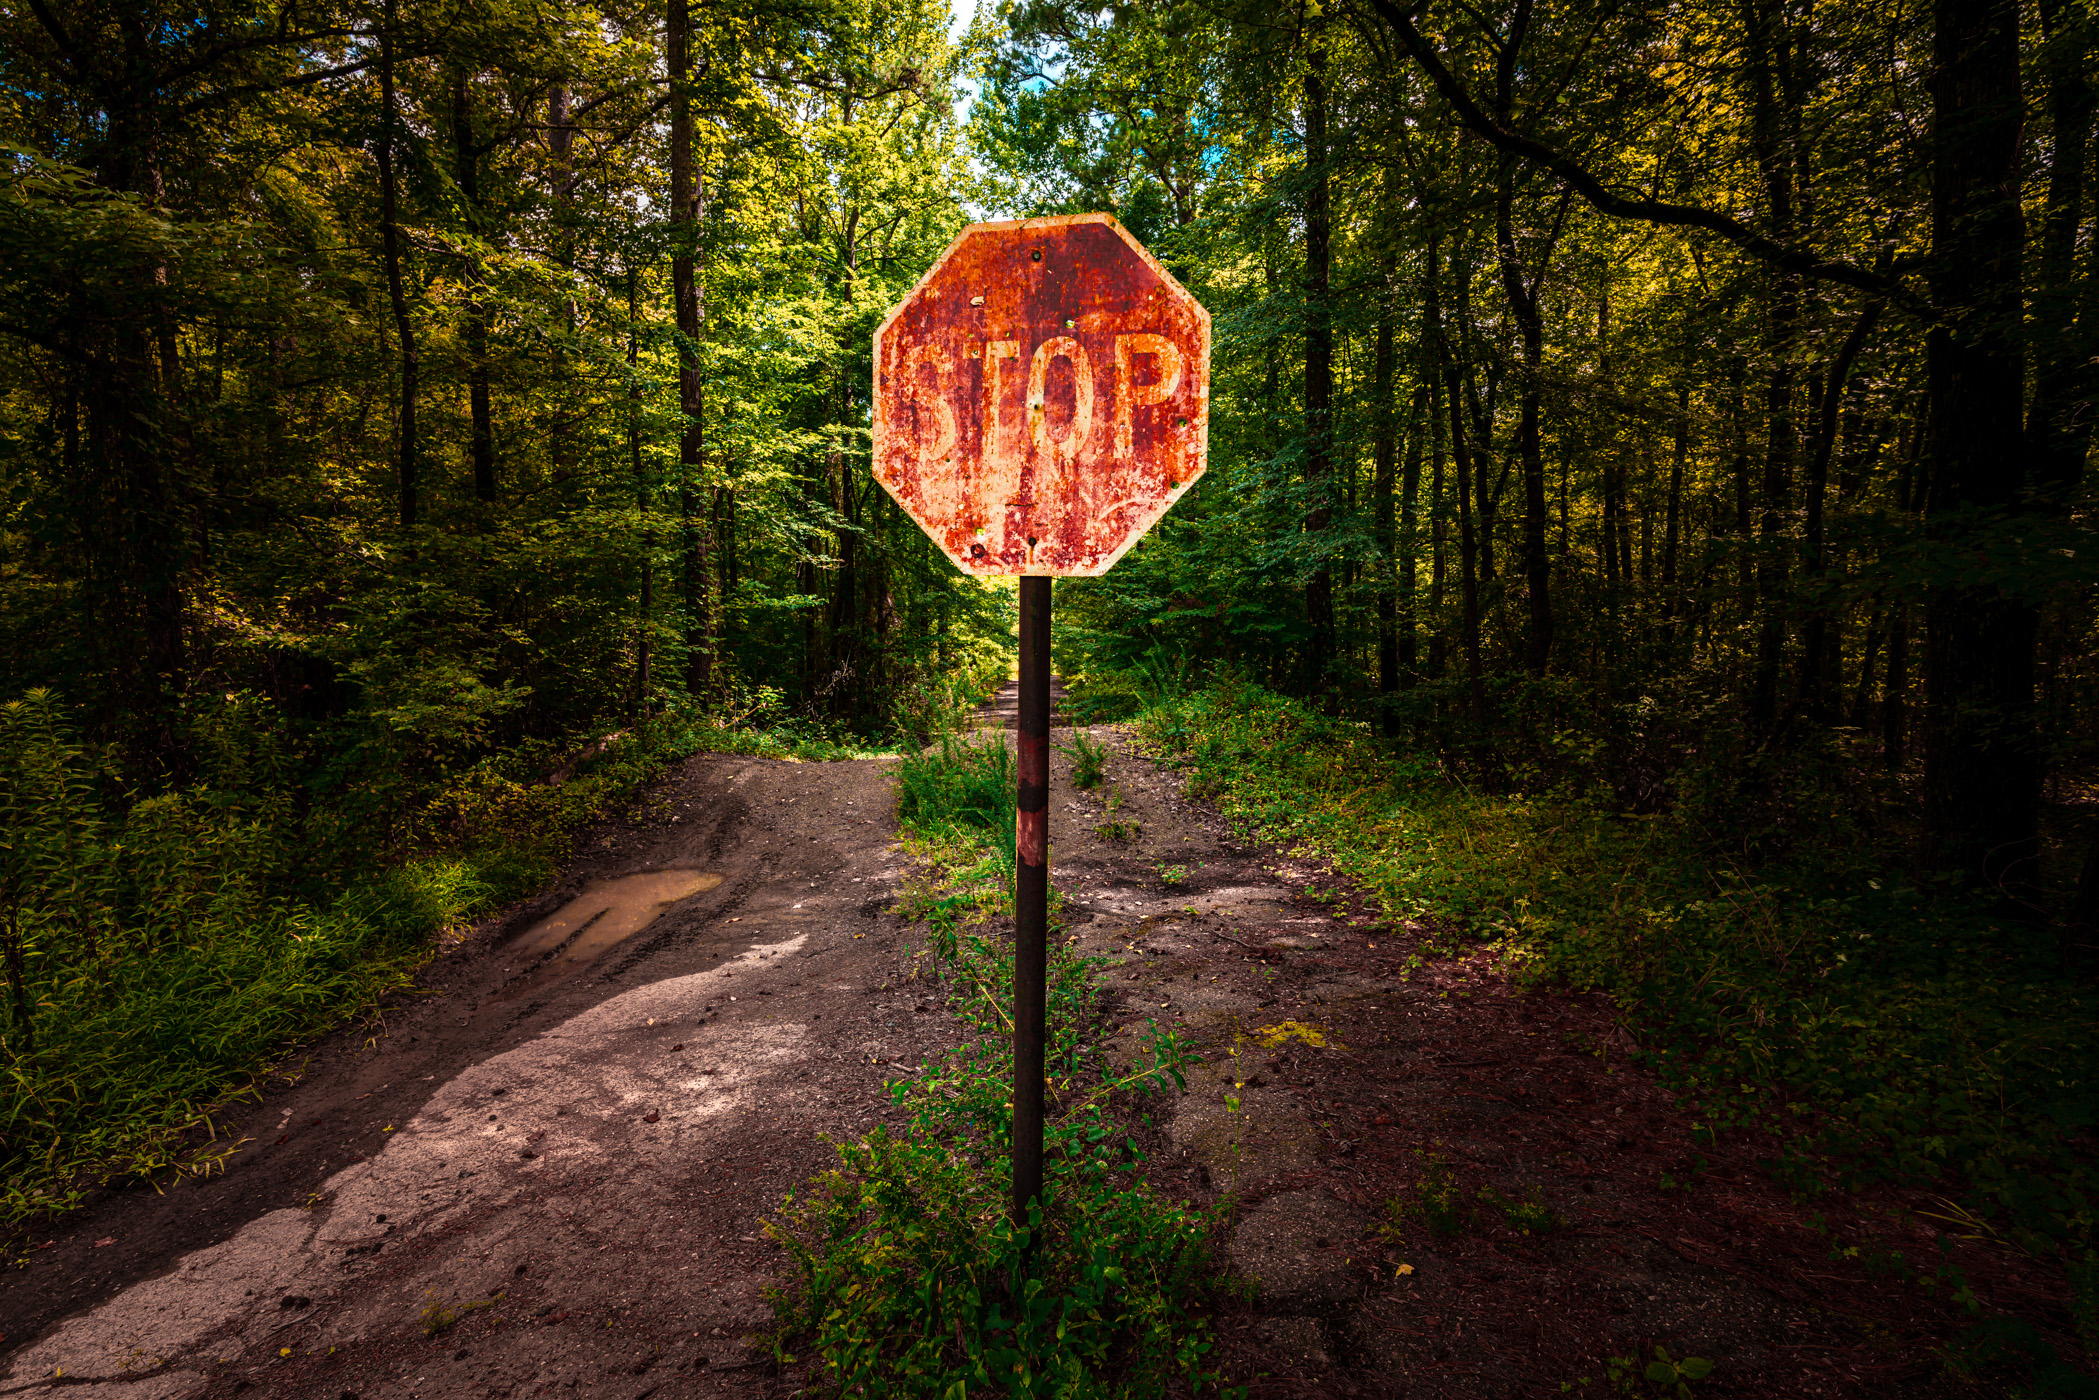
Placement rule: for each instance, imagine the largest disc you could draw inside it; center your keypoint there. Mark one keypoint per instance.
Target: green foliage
(1087, 757)
(1864, 1025)
(1528, 1216)
(961, 788)
(1676, 1375)
(1436, 1196)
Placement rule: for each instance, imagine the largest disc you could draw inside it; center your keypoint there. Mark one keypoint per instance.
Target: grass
(959, 790)
(908, 1276)
(1088, 760)
(1869, 1029)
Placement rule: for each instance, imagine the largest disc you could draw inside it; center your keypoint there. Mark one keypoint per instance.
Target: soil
(546, 1175)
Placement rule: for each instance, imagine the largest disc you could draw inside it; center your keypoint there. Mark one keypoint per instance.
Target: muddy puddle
(606, 913)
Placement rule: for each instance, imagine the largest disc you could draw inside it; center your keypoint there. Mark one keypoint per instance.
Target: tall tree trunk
(1894, 706)
(1384, 452)
(390, 233)
(561, 138)
(1738, 433)
(1468, 553)
(1479, 447)
(1981, 760)
(1672, 528)
(1432, 374)
(466, 164)
(1523, 305)
(1610, 523)
(1319, 373)
(1410, 529)
(1894, 703)
(689, 305)
(846, 630)
(1814, 637)
(643, 681)
(1770, 57)
(1869, 656)
(2059, 424)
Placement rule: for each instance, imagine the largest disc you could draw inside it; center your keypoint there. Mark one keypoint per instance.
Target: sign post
(1041, 398)
(1031, 893)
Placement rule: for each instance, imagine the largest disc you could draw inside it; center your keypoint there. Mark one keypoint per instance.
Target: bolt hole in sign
(1042, 396)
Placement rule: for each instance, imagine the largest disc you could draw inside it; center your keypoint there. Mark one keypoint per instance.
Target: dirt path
(535, 1184)
(572, 1168)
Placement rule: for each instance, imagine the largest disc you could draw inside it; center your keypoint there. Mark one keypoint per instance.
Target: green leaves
(1677, 1375)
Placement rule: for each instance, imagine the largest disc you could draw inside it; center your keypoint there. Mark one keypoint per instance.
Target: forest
(1671, 422)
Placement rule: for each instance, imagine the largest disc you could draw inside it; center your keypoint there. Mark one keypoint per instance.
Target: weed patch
(908, 1276)
(1529, 1216)
(1088, 760)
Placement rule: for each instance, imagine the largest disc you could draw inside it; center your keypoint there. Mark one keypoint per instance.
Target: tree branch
(57, 31)
(319, 75)
(1617, 206)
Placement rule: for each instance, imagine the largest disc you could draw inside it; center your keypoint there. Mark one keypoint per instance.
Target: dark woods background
(1696, 401)
(1685, 408)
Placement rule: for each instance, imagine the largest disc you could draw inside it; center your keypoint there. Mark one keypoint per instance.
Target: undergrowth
(908, 1276)
(1871, 1029)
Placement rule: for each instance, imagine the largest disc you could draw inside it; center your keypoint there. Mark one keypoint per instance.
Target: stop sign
(1042, 396)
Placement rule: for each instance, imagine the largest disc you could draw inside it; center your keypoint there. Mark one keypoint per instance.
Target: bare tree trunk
(1410, 530)
(1869, 657)
(561, 137)
(1384, 451)
(1467, 555)
(1981, 761)
(1523, 305)
(688, 298)
(467, 173)
(1770, 58)
(1671, 529)
(846, 632)
(1432, 316)
(1738, 430)
(1814, 637)
(643, 681)
(2060, 421)
(1319, 373)
(390, 232)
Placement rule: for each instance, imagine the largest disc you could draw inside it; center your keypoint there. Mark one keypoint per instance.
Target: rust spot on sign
(1042, 396)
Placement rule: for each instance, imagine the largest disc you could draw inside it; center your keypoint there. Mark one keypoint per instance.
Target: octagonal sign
(1042, 396)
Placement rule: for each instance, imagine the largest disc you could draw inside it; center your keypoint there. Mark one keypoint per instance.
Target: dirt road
(585, 1157)
(541, 1179)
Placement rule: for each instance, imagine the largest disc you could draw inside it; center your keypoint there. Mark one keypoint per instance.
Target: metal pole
(1031, 894)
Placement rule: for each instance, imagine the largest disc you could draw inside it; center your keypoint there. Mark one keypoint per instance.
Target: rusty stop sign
(1041, 398)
